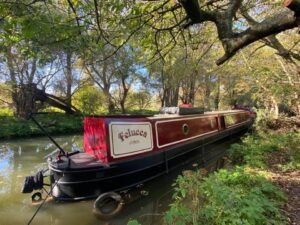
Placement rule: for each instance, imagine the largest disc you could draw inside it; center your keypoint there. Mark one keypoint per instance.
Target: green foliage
(139, 100)
(56, 123)
(244, 194)
(133, 222)
(252, 152)
(143, 112)
(239, 196)
(6, 112)
(255, 149)
(89, 100)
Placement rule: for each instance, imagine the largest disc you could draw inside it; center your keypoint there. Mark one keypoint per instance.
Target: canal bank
(54, 123)
(259, 185)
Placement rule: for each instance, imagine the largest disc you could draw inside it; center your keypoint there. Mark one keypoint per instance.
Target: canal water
(20, 158)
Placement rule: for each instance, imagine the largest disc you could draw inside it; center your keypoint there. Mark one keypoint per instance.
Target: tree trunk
(124, 92)
(207, 93)
(171, 97)
(13, 80)
(167, 97)
(122, 104)
(69, 79)
(25, 101)
(22, 95)
(175, 96)
(188, 89)
(163, 98)
(217, 96)
(192, 92)
(109, 100)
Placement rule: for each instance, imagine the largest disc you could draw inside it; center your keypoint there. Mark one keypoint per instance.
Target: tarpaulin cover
(95, 138)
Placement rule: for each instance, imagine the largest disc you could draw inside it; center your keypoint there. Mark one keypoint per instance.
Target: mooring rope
(41, 205)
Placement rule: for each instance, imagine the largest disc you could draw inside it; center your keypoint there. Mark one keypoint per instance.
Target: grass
(56, 123)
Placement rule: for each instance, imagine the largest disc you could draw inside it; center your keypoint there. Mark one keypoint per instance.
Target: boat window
(185, 129)
(231, 119)
(222, 123)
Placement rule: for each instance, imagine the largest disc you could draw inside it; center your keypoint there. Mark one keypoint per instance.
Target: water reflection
(6, 166)
(20, 158)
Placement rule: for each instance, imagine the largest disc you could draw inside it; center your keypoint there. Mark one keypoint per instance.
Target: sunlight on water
(6, 167)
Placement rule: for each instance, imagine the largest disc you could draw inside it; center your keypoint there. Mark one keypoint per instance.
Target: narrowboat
(121, 152)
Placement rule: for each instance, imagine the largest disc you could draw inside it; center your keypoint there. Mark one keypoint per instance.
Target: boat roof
(157, 116)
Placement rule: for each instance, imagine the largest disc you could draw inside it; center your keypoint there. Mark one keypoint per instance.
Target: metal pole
(46, 133)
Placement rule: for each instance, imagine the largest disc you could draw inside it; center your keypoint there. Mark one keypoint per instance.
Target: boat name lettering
(129, 133)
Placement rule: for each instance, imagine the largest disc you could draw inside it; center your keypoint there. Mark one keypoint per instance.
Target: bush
(56, 123)
(6, 112)
(239, 196)
(90, 100)
(133, 222)
(254, 150)
(242, 195)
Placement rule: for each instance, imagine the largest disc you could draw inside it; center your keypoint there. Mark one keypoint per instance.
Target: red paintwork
(186, 105)
(95, 138)
(169, 130)
(172, 131)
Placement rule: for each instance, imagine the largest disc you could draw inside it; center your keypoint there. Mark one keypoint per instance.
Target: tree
(153, 18)
(141, 100)
(89, 99)
(224, 14)
(102, 73)
(126, 73)
(29, 30)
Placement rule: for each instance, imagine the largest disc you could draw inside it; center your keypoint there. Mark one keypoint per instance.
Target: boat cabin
(111, 138)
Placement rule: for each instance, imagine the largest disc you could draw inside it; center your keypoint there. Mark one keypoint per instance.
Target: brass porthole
(185, 129)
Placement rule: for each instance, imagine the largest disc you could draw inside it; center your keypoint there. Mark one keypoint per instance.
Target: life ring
(108, 205)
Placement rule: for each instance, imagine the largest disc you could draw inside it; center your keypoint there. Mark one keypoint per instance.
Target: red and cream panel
(130, 138)
(170, 132)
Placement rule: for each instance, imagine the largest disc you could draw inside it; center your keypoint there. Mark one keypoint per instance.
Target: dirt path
(290, 184)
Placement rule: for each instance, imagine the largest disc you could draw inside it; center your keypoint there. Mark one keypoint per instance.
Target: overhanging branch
(231, 41)
(269, 26)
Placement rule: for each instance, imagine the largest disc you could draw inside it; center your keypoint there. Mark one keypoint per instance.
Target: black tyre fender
(38, 180)
(28, 184)
(99, 205)
(36, 198)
